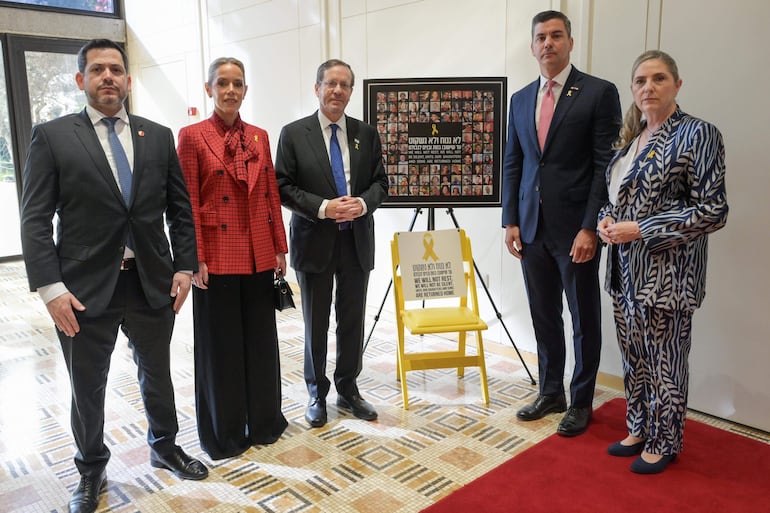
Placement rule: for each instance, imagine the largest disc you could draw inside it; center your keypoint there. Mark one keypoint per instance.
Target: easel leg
(417, 211)
(499, 316)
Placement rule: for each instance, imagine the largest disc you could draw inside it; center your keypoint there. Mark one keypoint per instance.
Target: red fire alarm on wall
(192, 111)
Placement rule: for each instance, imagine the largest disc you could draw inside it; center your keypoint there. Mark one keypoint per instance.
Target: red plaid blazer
(238, 225)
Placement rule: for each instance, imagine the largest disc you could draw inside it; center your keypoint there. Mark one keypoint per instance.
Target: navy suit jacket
(566, 180)
(305, 179)
(67, 173)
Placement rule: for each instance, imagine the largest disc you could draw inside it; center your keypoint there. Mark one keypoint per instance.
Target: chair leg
(401, 367)
(461, 350)
(482, 368)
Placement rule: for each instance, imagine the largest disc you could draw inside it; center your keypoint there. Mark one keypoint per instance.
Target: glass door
(10, 243)
(41, 77)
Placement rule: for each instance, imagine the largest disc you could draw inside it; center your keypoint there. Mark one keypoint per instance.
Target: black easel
(431, 226)
(417, 211)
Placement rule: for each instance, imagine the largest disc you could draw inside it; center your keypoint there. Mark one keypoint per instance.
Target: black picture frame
(442, 139)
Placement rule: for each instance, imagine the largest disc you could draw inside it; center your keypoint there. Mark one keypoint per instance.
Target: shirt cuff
(322, 209)
(50, 292)
(363, 205)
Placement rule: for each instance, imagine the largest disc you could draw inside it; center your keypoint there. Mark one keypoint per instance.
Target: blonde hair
(632, 121)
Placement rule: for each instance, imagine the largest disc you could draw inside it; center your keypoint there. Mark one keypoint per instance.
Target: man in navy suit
(332, 232)
(560, 132)
(111, 265)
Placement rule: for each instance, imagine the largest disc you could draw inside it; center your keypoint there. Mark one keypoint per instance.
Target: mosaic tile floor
(401, 463)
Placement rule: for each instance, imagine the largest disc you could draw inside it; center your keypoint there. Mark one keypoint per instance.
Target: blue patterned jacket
(676, 193)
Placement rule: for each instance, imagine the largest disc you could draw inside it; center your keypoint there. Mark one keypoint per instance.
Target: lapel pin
(140, 133)
(355, 143)
(651, 155)
(256, 138)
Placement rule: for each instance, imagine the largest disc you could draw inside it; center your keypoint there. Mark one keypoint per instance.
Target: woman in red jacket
(241, 246)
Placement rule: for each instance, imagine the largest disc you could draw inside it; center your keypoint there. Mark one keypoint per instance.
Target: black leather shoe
(542, 406)
(575, 422)
(618, 449)
(640, 466)
(182, 465)
(85, 498)
(315, 415)
(358, 406)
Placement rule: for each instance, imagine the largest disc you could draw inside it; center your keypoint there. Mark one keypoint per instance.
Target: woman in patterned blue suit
(666, 194)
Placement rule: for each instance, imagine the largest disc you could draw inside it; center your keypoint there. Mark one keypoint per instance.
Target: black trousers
(549, 273)
(237, 364)
(88, 356)
(350, 304)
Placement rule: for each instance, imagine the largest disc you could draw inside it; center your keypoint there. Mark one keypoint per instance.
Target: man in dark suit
(111, 265)
(560, 132)
(331, 175)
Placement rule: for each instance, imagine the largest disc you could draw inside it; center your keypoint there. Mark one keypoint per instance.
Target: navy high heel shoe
(640, 466)
(618, 449)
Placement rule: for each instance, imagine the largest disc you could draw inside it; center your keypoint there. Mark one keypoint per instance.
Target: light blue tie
(338, 166)
(121, 162)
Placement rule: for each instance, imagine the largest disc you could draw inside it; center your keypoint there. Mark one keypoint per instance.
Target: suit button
(224, 227)
(537, 188)
(225, 199)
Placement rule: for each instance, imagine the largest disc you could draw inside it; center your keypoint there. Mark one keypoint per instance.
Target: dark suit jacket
(567, 177)
(305, 179)
(67, 173)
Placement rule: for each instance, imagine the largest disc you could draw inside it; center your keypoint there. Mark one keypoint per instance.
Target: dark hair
(544, 16)
(99, 44)
(214, 66)
(319, 77)
(632, 121)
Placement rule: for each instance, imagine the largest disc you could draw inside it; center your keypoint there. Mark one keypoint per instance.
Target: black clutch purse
(282, 294)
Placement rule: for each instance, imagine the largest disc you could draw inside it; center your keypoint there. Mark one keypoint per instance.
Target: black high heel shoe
(618, 449)
(640, 466)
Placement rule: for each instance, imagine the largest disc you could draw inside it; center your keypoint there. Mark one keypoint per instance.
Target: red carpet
(716, 472)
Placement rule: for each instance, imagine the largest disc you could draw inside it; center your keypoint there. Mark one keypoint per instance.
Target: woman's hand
(201, 278)
(280, 264)
(602, 229)
(623, 231)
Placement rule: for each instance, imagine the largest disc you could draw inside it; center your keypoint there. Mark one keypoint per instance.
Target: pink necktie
(546, 114)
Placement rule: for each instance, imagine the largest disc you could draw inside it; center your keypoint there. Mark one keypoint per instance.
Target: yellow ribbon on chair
(427, 243)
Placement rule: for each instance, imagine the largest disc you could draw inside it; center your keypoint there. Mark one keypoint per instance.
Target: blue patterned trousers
(655, 344)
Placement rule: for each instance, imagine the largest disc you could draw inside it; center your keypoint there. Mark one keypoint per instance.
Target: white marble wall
(719, 51)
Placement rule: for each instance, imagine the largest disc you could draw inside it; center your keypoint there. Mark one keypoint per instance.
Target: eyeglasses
(333, 85)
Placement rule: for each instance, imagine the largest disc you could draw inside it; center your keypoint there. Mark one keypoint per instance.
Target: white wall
(282, 42)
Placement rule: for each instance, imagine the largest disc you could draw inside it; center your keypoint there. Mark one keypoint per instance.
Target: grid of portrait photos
(441, 140)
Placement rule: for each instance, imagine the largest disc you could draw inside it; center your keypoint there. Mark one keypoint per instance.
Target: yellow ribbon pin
(433, 129)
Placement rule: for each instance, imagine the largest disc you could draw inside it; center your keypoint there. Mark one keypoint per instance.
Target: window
(10, 244)
(42, 86)
(100, 7)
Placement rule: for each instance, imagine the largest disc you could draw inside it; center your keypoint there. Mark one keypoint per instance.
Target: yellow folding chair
(419, 317)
